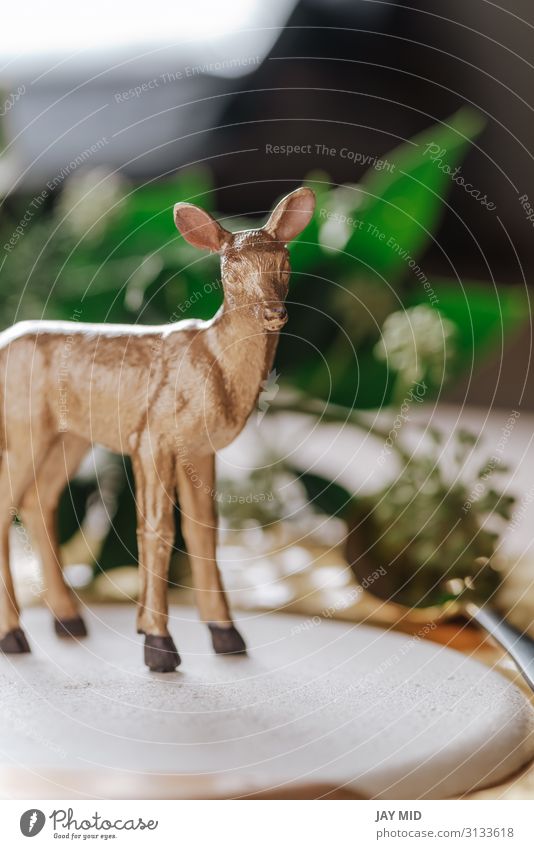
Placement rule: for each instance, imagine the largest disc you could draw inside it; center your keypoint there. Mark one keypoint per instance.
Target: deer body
(169, 397)
(155, 386)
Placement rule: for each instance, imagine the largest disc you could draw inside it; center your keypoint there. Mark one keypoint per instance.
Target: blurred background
(395, 429)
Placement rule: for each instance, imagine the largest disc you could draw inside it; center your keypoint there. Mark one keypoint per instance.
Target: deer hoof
(15, 642)
(161, 654)
(227, 640)
(74, 627)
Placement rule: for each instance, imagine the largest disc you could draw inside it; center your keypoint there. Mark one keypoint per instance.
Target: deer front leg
(154, 482)
(196, 492)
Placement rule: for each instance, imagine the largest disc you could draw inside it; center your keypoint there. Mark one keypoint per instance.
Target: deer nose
(275, 317)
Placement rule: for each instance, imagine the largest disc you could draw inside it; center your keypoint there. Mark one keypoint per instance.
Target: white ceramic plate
(315, 702)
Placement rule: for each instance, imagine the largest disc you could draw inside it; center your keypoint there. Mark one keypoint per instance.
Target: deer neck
(245, 353)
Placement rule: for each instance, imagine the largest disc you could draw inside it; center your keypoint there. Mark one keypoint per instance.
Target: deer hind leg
(196, 490)
(17, 469)
(154, 484)
(39, 514)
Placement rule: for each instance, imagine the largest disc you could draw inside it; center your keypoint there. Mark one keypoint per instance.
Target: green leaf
(466, 437)
(2, 135)
(327, 497)
(338, 378)
(399, 209)
(72, 508)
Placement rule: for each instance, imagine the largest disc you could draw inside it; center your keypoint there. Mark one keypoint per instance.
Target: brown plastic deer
(169, 397)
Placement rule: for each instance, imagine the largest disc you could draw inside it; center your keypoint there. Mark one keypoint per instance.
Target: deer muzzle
(274, 317)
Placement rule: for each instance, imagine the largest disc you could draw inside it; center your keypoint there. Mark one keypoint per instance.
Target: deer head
(254, 263)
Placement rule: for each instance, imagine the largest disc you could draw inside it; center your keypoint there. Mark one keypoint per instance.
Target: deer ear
(291, 215)
(199, 228)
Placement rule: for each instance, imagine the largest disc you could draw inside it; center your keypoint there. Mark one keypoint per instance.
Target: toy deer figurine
(169, 397)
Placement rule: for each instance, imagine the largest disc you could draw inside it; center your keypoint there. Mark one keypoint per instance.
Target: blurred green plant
(432, 524)
(103, 250)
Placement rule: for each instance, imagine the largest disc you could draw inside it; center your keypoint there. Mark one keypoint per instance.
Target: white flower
(89, 199)
(417, 341)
